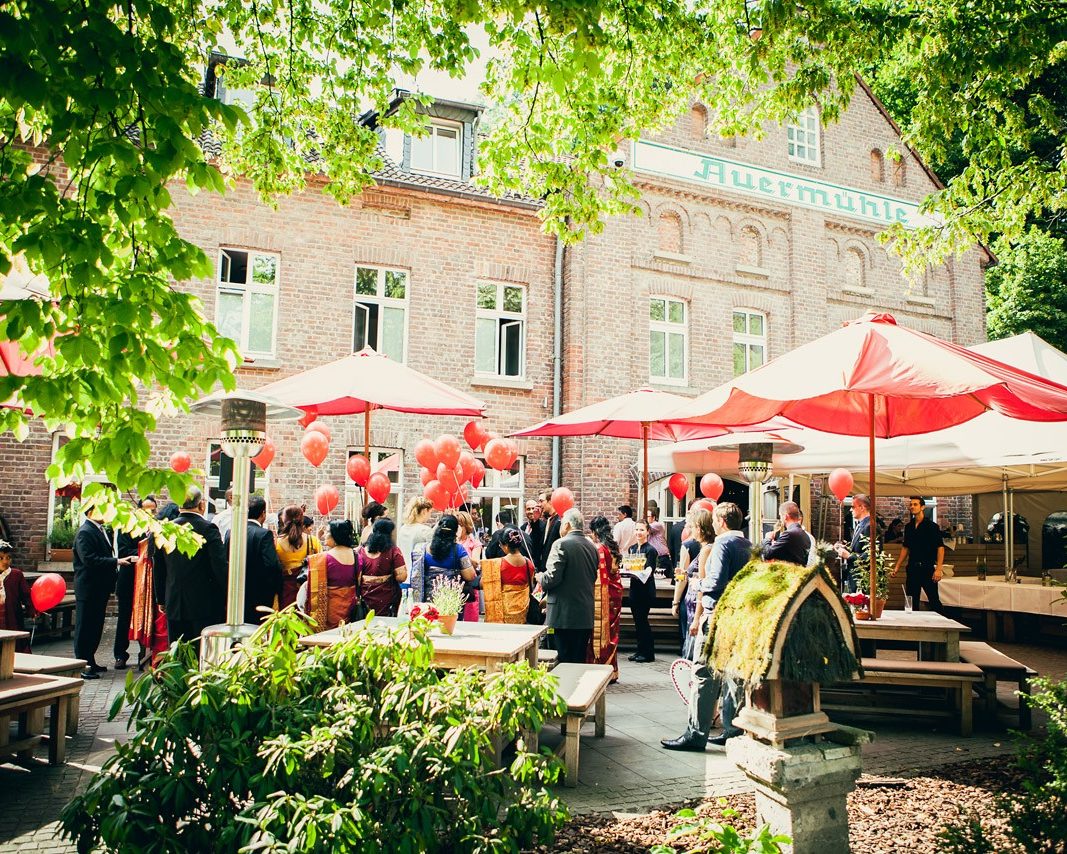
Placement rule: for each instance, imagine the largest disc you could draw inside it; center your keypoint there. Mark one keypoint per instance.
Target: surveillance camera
(619, 163)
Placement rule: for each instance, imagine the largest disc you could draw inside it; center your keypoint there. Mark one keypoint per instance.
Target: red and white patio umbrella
(637, 415)
(875, 378)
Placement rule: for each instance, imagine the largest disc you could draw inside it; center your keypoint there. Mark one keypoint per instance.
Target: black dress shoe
(633, 657)
(98, 668)
(640, 659)
(87, 673)
(690, 741)
(720, 740)
(120, 663)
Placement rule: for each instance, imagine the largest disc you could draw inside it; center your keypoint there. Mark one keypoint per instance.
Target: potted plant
(861, 573)
(61, 537)
(448, 598)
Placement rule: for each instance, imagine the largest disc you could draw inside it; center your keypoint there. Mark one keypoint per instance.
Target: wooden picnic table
(485, 645)
(938, 637)
(8, 639)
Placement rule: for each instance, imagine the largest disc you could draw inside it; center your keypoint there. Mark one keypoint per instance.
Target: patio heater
(244, 418)
(754, 465)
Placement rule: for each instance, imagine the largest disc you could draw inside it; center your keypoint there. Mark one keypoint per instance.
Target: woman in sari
(148, 623)
(332, 577)
(607, 598)
(516, 578)
(294, 546)
(381, 570)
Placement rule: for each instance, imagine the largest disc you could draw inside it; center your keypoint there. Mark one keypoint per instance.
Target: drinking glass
(907, 603)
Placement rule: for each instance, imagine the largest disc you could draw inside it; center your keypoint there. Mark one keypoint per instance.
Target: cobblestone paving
(625, 772)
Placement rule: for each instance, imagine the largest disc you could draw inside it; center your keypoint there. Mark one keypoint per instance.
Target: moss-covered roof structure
(746, 639)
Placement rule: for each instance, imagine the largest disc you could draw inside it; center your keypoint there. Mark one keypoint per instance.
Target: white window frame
(669, 328)
(747, 339)
(383, 302)
(493, 493)
(434, 125)
(503, 319)
(246, 291)
(354, 494)
(797, 131)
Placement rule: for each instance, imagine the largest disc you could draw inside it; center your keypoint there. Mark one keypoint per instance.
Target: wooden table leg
(990, 625)
(531, 654)
(1009, 627)
(570, 752)
(952, 648)
(601, 714)
(966, 720)
(57, 732)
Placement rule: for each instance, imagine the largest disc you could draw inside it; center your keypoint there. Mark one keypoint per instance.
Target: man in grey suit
(568, 579)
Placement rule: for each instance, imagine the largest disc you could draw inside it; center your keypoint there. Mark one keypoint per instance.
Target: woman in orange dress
(294, 546)
(604, 645)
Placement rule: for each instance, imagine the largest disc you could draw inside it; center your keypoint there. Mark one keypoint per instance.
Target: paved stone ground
(625, 772)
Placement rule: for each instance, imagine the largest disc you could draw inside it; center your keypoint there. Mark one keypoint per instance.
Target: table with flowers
(937, 636)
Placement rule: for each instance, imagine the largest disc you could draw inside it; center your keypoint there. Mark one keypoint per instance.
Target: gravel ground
(886, 815)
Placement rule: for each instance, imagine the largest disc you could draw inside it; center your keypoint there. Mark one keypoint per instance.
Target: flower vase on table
(448, 597)
(865, 608)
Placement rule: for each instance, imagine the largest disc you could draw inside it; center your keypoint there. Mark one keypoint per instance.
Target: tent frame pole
(644, 441)
(873, 540)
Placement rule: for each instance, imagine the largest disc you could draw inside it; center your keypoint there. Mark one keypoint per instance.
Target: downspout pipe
(557, 355)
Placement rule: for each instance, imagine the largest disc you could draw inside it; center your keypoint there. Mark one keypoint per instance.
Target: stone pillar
(801, 791)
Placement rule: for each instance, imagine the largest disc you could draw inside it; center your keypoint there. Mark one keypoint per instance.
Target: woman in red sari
(148, 624)
(604, 645)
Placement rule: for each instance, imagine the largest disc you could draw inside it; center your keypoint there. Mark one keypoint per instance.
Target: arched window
(749, 248)
(670, 232)
(900, 172)
(698, 121)
(855, 274)
(877, 166)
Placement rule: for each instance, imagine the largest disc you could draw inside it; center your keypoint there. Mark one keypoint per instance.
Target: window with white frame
(247, 300)
(802, 137)
(440, 151)
(380, 311)
(500, 490)
(500, 330)
(390, 462)
(750, 340)
(668, 344)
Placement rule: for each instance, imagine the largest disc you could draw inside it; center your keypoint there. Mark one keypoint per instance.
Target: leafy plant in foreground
(711, 835)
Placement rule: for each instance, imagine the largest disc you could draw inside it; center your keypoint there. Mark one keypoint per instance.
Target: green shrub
(709, 835)
(63, 530)
(362, 746)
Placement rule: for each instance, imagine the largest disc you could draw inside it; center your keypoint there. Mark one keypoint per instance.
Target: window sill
(683, 389)
(270, 363)
(929, 301)
(857, 292)
(749, 270)
(503, 382)
(672, 257)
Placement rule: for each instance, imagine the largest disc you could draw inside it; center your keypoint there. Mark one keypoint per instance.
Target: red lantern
(448, 450)
(378, 486)
(840, 481)
(711, 486)
(436, 494)
(678, 485)
(474, 433)
(449, 478)
(180, 461)
(704, 504)
(266, 455)
(320, 427)
(48, 591)
(562, 500)
(479, 474)
(425, 476)
(314, 446)
(310, 414)
(358, 468)
(425, 454)
(326, 498)
(498, 454)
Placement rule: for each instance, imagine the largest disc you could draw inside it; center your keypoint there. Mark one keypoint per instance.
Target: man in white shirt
(625, 530)
(224, 520)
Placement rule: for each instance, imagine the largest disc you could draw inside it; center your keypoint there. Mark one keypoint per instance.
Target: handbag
(359, 607)
(535, 612)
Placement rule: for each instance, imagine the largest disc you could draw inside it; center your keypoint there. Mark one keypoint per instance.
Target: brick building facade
(746, 248)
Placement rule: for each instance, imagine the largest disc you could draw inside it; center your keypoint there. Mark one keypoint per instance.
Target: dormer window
(440, 151)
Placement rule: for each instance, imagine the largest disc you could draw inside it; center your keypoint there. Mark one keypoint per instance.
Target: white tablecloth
(1027, 598)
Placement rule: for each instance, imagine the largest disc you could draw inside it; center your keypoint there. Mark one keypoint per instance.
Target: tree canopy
(101, 112)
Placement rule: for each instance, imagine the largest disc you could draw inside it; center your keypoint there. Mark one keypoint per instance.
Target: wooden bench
(57, 621)
(998, 667)
(547, 658)
(959, 678)
(52, 665)
(21, 695)
(583, 687)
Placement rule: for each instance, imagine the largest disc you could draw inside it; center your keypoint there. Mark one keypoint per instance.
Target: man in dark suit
(792, 543)
(861, 531)
(551, 521)
(193, 589)
(263, 570)
(95, 569)
(497, 545)
(534, 530)
(569, 580)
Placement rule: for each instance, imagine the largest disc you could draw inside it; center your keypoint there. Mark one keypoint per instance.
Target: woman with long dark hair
(607, 598)
(381, 569)
(332, 577)
(295, 547)
(443, 558)
(516, 578)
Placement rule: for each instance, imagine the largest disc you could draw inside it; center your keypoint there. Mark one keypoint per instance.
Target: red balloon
(436, 494)
(425, 475)
(840, 481)
(479, 474)
(326, 498)
(474, 433)
(48, 591)
(180, 461)
(711, 486)
(498, 454)
(266, 455)
(449, 478)
(310, 414)
(468, 465)
(704, 504)
(320, 427)
(448, 450)
(678, 484)
(358, 468)
(378, 486)
(314, 446)
(562, 500)
(425, 454)
(460, 496)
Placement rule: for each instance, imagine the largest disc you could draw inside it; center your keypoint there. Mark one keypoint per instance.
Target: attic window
(439, 152)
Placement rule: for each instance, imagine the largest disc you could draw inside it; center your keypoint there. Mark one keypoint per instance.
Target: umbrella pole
(873, 539)
(366, 444)
(644, 440)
